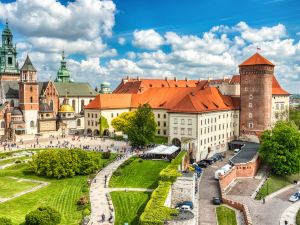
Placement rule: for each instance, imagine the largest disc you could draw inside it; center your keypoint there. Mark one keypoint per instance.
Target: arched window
(31, 99)
(82, 104)
(78, 122)
(31, 88)
(51, 104)
(73, 104)
(31, 123)
(2, 124)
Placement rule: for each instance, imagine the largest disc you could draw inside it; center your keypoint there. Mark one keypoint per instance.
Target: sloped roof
(110, 101)
(277, 89)
(28, 66)
(42, 87)
(74, 89)
(256, 59)
(10, 88)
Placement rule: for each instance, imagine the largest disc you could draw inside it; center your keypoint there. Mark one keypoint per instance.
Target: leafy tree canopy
(139, 125)
(280, 148)
(43, 216)
(103, 124)
(295, 116)
(61, 163)
(5, 221)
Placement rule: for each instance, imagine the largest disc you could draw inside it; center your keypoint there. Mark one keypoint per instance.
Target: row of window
(214, 138)
(183, 121)
(182, 131)
(92, 123)
(164, 132)
(164, 123)
(164, 115)
(214, 128)
(279, 106)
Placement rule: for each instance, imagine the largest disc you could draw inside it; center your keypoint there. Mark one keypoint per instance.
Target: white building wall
(162, 120)
(31, 116)
(280, 108)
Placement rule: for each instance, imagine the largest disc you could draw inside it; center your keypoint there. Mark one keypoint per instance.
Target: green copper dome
(63, 73)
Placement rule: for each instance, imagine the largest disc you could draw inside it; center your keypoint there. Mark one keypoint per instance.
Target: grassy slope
(9, 186)
(274, 184)
(226, 216)
(129, 206)
(298, 218)
(7, 161)
(59, 194)
(143, 174)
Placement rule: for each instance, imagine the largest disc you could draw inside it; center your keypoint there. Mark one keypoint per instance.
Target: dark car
(190, 204)
(209, 161)
(216, 200)
(203, 164)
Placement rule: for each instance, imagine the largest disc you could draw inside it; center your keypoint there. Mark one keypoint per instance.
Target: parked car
(203, 164)
(209, 161)
(218, 156)
(236, 151)
(295, 197)
(216, 200)
(189, 203)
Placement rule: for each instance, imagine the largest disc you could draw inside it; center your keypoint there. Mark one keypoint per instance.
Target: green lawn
(275, 183)
(7, 161)
(60, 194)
(138, 174)
(129, 206)
(10, 186)
(298, 218)
(226, 216)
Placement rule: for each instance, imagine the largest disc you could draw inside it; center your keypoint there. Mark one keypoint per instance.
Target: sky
(195, 39)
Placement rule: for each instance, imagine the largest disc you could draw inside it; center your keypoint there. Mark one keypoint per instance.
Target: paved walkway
(130, 189)
(290, 214)
(99, 194)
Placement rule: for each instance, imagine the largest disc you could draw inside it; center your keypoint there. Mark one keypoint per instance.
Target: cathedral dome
(66, 108)
(105, 85)
(44, 107)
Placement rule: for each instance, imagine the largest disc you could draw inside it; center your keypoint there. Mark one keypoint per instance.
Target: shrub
(43, 216)
(5, 221)
(86, 212)
(106, 155)
(83, 200)
(298, 218)
(140, 160)
(61, 163)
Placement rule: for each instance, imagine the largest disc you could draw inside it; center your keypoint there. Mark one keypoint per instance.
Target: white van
(236, 151)
(185, 208)
(222, 171)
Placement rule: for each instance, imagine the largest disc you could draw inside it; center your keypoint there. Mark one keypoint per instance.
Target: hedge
(155, 212)
(170, 173)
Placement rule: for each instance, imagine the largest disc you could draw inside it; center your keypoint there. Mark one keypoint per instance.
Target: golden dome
(66, 108)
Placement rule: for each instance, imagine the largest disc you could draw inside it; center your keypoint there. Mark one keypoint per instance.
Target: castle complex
(30, 107)
(203, 115)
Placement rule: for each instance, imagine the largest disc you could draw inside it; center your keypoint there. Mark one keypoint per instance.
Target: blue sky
(196, 39)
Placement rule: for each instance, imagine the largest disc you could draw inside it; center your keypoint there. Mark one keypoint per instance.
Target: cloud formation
(147, 39)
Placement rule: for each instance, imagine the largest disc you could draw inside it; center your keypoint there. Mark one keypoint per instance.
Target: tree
(5, 221)
(295, 116)
(43, 216)
(143, 128)
(103, 125)
(123, 122)
(280, 148)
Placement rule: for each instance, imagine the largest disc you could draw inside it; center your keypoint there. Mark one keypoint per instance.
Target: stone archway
(176, 142)
(89, 132)
(106, 132)
(96, 133)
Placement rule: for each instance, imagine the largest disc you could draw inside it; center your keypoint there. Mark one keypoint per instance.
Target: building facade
(201, 115)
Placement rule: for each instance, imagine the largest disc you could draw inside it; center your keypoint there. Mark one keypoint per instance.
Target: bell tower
(9, 68)
(29, 96)
(256, 95)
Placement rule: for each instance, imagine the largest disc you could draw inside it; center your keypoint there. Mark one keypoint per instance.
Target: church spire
(63, 74)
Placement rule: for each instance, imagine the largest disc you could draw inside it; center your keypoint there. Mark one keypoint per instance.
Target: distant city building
(201, 115)
(105, 88)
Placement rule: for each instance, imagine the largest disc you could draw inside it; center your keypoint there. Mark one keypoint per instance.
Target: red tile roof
(256, 59)
(110, 101)
(277, 89)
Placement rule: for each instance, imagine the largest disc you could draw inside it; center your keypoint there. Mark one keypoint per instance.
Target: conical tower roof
(6, 31)
(28, 66)
(256, 59)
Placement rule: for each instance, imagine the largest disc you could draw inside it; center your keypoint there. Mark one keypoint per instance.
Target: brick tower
(28, 96)
(256, 95)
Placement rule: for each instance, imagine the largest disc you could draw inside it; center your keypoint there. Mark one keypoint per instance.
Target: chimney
(166, 78)
(138, 78)
(209, 79)
(175, 78)
(186, 79)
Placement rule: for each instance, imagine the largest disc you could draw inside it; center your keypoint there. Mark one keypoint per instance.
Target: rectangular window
(165, 124)
(112, 115)
(250, 105)
(250, 96)
(182, 121)
(88, 122)
(250, 115)
(182, 131)
(158, 115)
(96, 115)
(175, 120)
(165, 116)
(165, 132)
(189, 131)
(190, 122)
(92, 115)
(175, 130)
(9, 60)
(158, 131)
(158, 123)
(88, 115)
(250, 125)
(277, 106)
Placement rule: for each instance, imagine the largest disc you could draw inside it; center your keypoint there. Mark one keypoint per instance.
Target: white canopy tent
(163, 150)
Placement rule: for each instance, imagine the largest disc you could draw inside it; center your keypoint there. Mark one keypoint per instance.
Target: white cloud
(262, 34)
(147, 39)
(121, 40)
